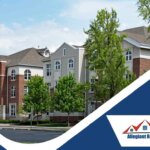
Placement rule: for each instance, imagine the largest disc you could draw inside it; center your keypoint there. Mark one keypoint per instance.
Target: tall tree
(105, 55)
(144, 10)
(38, 97)
(68, 96)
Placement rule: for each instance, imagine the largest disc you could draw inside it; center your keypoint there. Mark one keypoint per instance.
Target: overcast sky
(49, 23)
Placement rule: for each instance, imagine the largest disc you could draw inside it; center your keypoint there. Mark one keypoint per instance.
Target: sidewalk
(36, 128)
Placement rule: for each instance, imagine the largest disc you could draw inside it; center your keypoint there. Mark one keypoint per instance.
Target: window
(49, 86)
(13, 91)
(26, 90)
(64, 51)
(27, 74)
(128, 55)
(13, 75)
(12, 110)
(71, 63)
(56, 82)
(57, 65)
(48, 69)
(131, 130)
(144, 127)
(92, 84)
(128, 76)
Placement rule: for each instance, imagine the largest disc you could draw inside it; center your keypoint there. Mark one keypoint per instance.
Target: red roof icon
(135, 128)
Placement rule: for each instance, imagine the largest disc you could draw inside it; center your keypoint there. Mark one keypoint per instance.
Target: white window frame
(26, 90)
(92, 81)
(128, 55)
(13, 75)
(57, 66)
(27, 74)
(128, 76)
(71, 65)
(13, 91)
(64, 51)
(48, 69)
(12, 109)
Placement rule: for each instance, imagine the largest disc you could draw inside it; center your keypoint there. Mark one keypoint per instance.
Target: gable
(69, 50)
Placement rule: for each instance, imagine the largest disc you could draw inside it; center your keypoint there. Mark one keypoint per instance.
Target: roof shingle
(29, 57)
(139, 34)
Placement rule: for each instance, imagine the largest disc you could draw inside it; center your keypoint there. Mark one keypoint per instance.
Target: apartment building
(15, 71)
(70, 58)
(66, 59)
(137, 49)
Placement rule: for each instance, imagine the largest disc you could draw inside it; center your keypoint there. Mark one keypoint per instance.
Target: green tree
(68, 96)
(38, 97)
(144, 10)
(105, 55)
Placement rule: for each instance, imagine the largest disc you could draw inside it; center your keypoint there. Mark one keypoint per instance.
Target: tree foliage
(68, 96)
(144, 10)
(105, 55)
(38, 96)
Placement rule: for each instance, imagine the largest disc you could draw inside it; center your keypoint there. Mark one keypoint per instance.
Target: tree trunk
(37, 119)
(49, 119)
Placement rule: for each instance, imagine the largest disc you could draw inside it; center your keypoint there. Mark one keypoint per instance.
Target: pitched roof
(139, 34)
(29, 57)
(3, 57)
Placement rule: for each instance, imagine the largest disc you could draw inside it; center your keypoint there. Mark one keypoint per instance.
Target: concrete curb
(35, 128)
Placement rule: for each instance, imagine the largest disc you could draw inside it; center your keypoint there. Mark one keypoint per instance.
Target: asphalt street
(29, 136)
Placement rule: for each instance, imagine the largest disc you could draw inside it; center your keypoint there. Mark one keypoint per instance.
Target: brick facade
(3, 83)
(12, 82)
(19, 83)
(140, 66)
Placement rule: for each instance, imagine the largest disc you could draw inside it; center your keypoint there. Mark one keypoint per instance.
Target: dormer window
(13, 75)
(57, 65)
(64, 51)
(46, 53)
(128, 55)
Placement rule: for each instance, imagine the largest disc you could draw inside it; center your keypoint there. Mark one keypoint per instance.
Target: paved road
(26, 136)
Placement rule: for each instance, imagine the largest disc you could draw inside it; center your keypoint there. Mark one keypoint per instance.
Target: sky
(50, 23)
